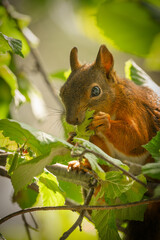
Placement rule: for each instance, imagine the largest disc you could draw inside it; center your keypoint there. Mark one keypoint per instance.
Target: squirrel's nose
(73, 121)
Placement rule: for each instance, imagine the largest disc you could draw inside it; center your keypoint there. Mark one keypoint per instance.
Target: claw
(100, 122)
(87, 128)
(79, 166)
(90, 118)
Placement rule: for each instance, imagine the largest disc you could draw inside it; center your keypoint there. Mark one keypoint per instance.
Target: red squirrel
(126, 115)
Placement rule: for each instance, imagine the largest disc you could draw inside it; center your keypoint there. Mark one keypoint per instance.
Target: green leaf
(126, 24)
(64, 158)
(136, 192)
(61, 75)
(152, 170)
(10, 44)
(39, 142)
(4, 46)
(5, 58)
(5, 98)
(9, 28)
(93, 147)
(5, 92)
(105, 224)
(25, 172)
(93, 160)
(6, 143)
(133, 194)
(14, 163)
(68, 128)
(50, 191)
(115, 184)
(72, 191)
(9, 77)
(4, 110)
(137, 75)
(81, 129)
(131, 213)
(25, 198)
(153, 147)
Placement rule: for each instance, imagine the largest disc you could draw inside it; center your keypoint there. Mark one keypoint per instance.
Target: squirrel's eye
(95, 91)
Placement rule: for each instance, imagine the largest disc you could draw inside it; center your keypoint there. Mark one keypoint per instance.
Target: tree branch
(80, 207)
(85, 179)
(80, 218)
(41, 69)
(86, 150)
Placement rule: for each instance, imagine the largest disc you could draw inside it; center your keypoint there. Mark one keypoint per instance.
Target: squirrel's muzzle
(75, 119)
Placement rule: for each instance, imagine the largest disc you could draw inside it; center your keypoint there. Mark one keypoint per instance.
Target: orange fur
(126, 117)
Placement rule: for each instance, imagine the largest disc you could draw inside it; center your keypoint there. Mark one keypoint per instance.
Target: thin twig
(41, 69)
(2, 237)
(86, 150)
(26, 227)
(35, 223)
(80, 207)
(80, 218)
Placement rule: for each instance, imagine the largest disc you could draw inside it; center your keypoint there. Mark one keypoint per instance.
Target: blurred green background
(130, 29)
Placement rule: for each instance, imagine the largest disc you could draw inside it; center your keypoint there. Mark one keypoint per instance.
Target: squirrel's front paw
(74, 165)
(71, 137)
(100, 122)
(79, 165)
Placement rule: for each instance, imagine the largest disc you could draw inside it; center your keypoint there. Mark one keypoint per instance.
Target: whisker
(55, 112)
(53, 109)
(54, 125)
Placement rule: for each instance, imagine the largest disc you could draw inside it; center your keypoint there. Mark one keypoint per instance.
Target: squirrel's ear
(104, 59)
(74, 63)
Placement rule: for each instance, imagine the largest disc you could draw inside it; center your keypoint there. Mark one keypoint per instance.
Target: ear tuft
(104, 59)
(74, 63)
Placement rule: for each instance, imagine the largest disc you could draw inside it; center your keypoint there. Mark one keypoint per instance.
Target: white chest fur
(115, 153)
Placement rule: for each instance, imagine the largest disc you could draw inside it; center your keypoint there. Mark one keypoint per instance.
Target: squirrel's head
(89, 86)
